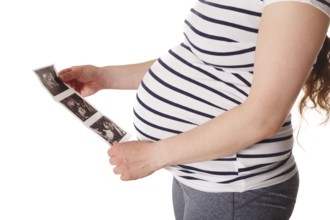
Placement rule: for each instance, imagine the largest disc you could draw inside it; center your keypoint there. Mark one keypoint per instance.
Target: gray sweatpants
(271, 203)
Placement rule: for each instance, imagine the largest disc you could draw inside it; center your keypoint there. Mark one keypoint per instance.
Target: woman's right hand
(86, 79)
(89, 79)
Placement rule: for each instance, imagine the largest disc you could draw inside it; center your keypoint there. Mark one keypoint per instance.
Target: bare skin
(89, 79)
(281, 67)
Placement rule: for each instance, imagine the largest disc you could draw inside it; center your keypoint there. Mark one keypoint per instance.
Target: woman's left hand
(134, 159)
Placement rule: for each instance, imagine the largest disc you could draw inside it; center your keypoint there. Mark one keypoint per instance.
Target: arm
(290, 37)
(124, 76)
(89, 79)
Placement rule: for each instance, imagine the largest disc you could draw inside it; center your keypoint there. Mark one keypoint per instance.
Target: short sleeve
(323, 5)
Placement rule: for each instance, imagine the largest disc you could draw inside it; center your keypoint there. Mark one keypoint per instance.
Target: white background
(51, 165)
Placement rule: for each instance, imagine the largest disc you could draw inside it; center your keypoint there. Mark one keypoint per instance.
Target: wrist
(164, 158)
(103, 75)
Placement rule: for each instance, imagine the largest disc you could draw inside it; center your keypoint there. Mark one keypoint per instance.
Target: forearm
(284, 57)
(124, 76)
(222, 136)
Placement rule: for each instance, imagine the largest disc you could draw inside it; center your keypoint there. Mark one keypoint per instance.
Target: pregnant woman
(215, 109)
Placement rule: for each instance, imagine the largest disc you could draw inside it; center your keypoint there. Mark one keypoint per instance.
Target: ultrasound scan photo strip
(106, 128)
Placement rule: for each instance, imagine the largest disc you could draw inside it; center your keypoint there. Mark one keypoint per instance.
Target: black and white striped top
(205, 76)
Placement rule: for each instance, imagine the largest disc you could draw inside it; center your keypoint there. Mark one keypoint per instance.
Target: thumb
(86, 92)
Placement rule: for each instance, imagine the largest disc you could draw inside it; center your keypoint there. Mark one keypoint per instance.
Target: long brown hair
(317, 86)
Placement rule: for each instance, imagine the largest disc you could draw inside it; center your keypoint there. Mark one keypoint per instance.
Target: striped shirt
(209, 73)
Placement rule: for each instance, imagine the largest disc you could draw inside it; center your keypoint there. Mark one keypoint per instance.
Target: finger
(110, 152)
(113, 161)
(63, 71)
(86, 92)
(124, 178)
(117, 170)
(124, 175)
(113, 150)
(69, 74)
